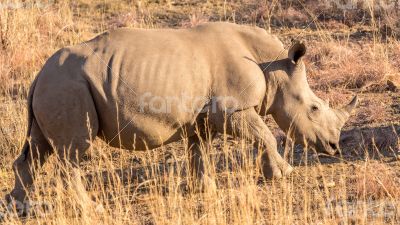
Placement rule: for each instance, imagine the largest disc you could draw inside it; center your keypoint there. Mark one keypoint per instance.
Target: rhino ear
(297, 51)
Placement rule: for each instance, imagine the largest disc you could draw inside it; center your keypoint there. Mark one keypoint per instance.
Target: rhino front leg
(248, 124)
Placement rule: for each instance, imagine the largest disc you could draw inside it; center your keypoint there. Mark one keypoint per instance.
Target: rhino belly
(143, 132)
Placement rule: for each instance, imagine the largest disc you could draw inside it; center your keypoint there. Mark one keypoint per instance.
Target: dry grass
(371, 185)
(356, 51)
(340, 64)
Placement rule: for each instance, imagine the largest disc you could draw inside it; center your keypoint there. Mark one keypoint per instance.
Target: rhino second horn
(351, 106)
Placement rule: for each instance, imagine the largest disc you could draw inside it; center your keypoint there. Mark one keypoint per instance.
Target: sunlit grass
(152, 187)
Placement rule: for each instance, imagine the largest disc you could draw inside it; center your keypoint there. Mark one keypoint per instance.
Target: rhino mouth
(334, 147)
(327, 147)
(331, 148)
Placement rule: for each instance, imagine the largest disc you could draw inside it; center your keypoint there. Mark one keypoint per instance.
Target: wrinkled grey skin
(101, 88)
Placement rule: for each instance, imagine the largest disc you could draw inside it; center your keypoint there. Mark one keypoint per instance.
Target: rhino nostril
(333, 145)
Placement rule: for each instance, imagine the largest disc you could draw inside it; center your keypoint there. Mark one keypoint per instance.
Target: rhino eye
(314, 108)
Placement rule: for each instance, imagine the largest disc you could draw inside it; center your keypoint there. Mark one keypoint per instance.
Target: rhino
(140, 89)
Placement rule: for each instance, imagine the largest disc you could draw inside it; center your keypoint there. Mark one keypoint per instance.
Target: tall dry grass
(154, 191)
(151, 187)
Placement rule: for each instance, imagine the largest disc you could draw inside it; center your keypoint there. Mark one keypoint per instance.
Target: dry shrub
(12, 136)
(124, 20)
(376, 180)
(120, 14)
(348, 65)
(373, 108)
(335, 25)
(394, 56)
(291, 17)
(29, 36)
(254, 12)
(336, 98)
(337, 13)
(194, 20)
(390, 25)
(372, 111)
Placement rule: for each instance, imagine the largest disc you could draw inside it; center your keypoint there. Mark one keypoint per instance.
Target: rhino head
(297, 110)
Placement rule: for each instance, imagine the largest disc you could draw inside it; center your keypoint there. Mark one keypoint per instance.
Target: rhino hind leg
(67, 116)
(65, 123)
(69, 121)
(26, 166)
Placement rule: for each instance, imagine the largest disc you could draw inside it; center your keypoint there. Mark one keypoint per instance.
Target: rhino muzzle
(332, 147)
(327, 147)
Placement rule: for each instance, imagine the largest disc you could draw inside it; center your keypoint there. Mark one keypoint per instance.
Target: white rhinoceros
(140, 89)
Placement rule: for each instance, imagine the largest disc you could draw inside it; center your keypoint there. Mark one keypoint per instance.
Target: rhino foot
(10, 206)
(287, 169)
(273, 167)
(16, 195)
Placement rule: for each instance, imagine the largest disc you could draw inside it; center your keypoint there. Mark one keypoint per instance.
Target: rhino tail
(31, 116)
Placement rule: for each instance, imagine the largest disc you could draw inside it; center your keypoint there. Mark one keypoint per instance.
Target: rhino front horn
(350, 107)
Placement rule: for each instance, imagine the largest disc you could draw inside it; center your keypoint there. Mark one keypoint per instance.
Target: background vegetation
(353, 47)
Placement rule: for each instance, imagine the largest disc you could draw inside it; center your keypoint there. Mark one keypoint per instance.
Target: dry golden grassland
(352, 50)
